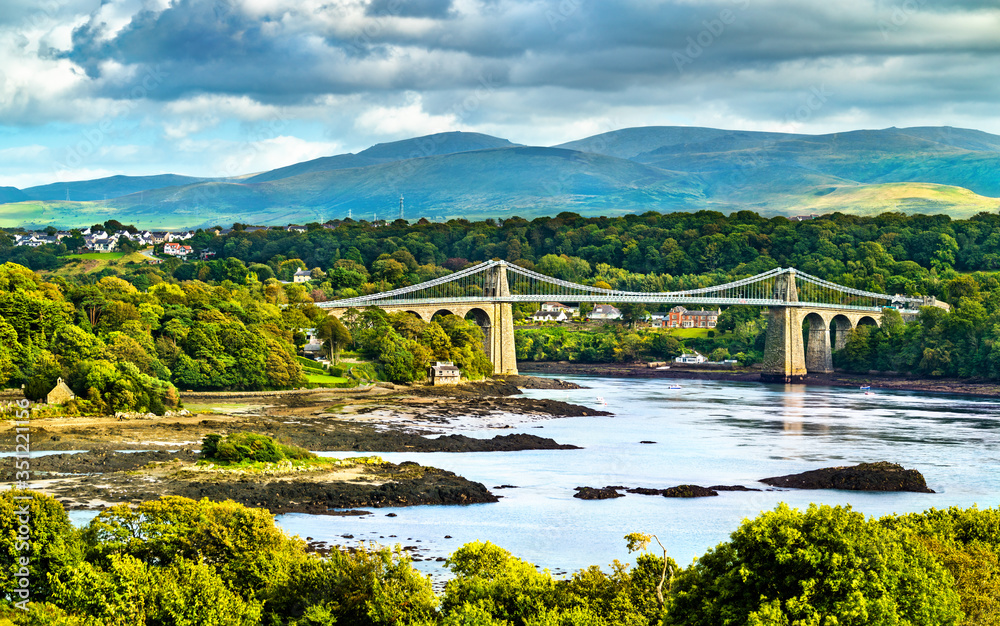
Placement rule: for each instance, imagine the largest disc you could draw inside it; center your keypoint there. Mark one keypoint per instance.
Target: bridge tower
(784, 354)
(500, 329)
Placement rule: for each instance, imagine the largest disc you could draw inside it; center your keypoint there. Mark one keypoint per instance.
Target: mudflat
(382, 419)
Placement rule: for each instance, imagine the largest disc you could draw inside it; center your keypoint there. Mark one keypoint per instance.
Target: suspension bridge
(808, 317)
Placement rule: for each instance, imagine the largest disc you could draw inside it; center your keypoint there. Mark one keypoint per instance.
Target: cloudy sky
(227, 87)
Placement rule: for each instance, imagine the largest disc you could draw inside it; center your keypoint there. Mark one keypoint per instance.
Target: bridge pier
(784, 356)
(500, 339)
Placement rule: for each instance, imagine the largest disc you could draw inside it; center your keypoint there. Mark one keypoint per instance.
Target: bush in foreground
(176, 561)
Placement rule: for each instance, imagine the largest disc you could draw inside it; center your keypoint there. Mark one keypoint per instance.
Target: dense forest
(178, 562)
(954, 260)
(123, 349)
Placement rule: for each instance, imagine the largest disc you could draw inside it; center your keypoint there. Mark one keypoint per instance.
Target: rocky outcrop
(878, 476)
(597, 493)
(680, 491)
(688, 491)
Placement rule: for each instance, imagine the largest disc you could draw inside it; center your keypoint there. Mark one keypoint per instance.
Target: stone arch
(840, 326)
(819, 356)
(416, 314)
(485, 322)
(867, 320)
(442, 312)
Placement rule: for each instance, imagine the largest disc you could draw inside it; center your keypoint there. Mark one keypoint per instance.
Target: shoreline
(164, 450)
(966, 387)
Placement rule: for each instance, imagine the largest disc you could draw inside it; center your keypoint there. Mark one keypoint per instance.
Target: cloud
(343, 74)
(410, 8)
(404, 121)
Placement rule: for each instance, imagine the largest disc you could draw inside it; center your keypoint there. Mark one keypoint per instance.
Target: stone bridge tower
(499, 334)
(784, 354)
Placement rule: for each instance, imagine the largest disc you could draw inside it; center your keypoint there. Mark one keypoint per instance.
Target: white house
(690, 358)
(549, 316)
(176, 249)
(605, 312)
(557, 306)
(302, 276)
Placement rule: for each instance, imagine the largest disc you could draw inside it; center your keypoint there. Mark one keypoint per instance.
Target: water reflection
(793, 399)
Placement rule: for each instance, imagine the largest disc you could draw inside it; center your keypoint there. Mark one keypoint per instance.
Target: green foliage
(180, 562)
(403, 345)
(967, 543)
(334, 335)
(51, 545)
(489, 577)
(828, 563)
(249, 447)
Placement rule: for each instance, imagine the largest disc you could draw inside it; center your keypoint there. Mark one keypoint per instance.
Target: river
(706, 433)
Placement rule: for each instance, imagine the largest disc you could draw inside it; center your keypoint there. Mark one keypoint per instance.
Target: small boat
(600, 400)
(674, 387)
(866, 388)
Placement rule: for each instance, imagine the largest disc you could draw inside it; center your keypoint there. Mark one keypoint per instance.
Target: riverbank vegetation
(177, 561)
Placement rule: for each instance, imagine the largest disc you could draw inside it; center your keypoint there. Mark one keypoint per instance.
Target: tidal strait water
(706, 433)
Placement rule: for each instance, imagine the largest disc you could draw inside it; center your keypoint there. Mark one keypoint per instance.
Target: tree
(735, 315)
(632, 312)
(334, 335)
(638, 542)
(51, 546)
(823, 566)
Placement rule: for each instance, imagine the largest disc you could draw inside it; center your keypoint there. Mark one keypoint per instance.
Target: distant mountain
(662, 168)
(12, 194)
(110, 187)
(475, 184)
(431, 145)
(946, 156)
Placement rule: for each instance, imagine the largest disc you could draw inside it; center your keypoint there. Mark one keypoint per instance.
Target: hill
(11, 194)
(110, 187)
(431, 145)
(478, 184)
(458, 174)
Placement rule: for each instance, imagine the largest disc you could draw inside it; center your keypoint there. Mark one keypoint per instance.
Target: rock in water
(688, 491)
(878, 476)
(597, 493)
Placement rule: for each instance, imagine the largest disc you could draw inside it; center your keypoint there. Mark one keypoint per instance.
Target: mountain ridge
(663, 168)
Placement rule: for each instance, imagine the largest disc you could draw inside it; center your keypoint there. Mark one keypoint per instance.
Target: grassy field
(98, 256)
(958, 202)
(325, 379)
(96, 261)
(691, 333)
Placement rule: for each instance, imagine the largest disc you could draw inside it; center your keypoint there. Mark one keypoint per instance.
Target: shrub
(249, 447)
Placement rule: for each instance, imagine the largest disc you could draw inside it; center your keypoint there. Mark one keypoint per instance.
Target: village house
(176, 249)
(296, 228)
(690, 358)
(679, 317)
(556, 306)
(445, 373)
(605, 312)
(549, 316)
(302, 276)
